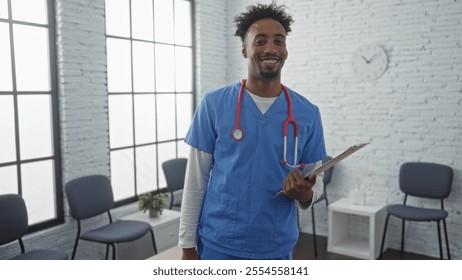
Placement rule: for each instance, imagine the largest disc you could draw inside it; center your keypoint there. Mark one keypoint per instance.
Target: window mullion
(133, 95)
(15, 97)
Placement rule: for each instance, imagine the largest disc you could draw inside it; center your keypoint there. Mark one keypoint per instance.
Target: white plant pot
(357, 197)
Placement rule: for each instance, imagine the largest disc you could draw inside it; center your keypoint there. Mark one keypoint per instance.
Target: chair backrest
(89, 196)
(175, 171)
(429, 180)
(328, 172)
(13, 218)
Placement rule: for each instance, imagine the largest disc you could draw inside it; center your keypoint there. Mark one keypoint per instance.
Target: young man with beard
(240, 158)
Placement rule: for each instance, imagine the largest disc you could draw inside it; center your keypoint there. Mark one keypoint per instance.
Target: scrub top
(240, 216)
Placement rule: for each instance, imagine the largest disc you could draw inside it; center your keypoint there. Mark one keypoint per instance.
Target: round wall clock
(369, 62)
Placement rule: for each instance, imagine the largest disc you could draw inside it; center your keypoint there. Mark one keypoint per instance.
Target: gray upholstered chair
(425, 180)
(175, 171)
(91, 196)
(14, 225)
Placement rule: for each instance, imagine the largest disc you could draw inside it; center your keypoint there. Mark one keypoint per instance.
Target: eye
(259, 42)
(281, 42)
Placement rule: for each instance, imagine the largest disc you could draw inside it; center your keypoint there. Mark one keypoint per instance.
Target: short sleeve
(201, 134)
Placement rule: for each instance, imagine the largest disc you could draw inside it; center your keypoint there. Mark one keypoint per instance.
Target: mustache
(277, 56)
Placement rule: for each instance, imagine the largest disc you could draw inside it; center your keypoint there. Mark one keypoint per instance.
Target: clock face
(369, 62)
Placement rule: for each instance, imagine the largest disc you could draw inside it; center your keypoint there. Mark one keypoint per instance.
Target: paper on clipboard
(333, 161)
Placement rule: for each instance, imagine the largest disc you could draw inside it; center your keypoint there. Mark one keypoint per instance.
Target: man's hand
(189, 254)
(297, 187)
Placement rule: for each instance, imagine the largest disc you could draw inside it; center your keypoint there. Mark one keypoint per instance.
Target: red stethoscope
(238, 133)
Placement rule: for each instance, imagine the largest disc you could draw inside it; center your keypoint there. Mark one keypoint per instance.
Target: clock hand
(370, 59)
(367, 61)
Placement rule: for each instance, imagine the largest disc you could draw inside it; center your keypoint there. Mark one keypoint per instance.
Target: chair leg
(439, 240)
(446, 237)
(75, 248)
(383, 237)
(314, 232)
(114, 253)
(153, 242)
(402, 236)
(107, 251)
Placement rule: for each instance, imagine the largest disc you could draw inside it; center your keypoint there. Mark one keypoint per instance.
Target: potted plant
(154, 203)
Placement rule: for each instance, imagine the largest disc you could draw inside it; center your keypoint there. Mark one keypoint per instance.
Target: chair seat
(42, 255)
(416, 213)
(116, 232)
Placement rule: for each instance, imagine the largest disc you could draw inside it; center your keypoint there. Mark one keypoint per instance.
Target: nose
(270, 48)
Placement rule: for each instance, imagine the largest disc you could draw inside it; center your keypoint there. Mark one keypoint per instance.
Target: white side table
(165, 227)
(342, 241)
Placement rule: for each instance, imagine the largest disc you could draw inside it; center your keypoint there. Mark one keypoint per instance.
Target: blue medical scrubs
(240, 216)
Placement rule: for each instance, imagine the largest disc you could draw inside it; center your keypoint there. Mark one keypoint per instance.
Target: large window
(150, 87)
(29, 143)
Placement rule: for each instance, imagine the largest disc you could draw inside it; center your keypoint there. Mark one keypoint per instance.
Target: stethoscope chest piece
(238, 134)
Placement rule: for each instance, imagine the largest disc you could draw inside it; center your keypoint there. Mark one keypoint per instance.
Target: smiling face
(265, 49)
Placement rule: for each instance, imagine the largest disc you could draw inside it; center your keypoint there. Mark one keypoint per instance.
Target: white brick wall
(412, 113)
(211, 45)
(81, 45)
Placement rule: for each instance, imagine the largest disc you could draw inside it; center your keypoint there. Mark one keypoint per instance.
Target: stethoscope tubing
(238, 134)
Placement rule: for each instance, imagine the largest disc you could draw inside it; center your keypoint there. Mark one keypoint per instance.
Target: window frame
(133, 93)
(54, 113)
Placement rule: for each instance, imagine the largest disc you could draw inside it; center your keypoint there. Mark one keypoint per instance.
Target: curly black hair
(258, 11)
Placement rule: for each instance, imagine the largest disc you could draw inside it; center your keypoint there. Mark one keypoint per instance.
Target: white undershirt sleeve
(195, 186)
(317, 187)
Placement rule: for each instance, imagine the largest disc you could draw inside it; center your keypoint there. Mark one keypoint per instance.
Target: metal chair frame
(96, 190)
(427, 171)
(14, 225)
(174, 171)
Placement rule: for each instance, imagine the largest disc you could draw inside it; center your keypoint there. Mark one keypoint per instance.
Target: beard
(269, 75)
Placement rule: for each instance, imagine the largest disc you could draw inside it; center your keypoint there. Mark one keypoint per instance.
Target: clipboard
(338, 158)
(332, 162)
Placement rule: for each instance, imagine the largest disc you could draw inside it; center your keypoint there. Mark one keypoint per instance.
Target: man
(239, 159)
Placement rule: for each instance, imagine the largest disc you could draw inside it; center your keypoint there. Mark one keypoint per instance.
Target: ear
(244, 51)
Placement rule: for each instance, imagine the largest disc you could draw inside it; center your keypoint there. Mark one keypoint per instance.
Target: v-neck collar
(275, 107)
